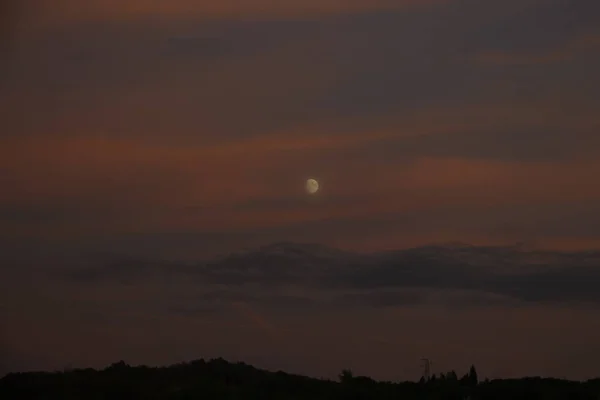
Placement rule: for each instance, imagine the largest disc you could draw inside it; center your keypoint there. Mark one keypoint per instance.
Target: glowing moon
(312, 186)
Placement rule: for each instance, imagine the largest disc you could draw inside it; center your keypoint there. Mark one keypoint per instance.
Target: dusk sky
(185, 130)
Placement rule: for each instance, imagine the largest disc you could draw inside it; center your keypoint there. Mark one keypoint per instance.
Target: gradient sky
(186, 129)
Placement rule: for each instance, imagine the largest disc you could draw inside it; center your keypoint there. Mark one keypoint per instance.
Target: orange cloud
(179, 187)
(46, 13)
(502, 181)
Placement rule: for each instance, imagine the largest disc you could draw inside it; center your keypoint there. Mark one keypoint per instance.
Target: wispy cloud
(579, 46)
(464, 276)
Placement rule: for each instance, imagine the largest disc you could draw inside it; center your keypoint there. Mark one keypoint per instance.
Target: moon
(312, 186)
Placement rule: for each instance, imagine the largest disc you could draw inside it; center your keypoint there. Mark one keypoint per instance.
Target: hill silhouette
(220, 379)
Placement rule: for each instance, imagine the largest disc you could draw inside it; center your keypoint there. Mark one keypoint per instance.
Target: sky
(185, 130)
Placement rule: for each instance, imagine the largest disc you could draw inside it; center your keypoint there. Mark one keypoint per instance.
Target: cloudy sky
(186, 129)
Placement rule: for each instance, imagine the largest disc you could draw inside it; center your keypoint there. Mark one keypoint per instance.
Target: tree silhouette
(346, 376)
(473, 380)
(451, 376)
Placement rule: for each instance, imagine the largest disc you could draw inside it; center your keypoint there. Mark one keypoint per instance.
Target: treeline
(219, 379)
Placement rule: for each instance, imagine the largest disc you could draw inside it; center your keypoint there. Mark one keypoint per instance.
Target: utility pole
(426, 364)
